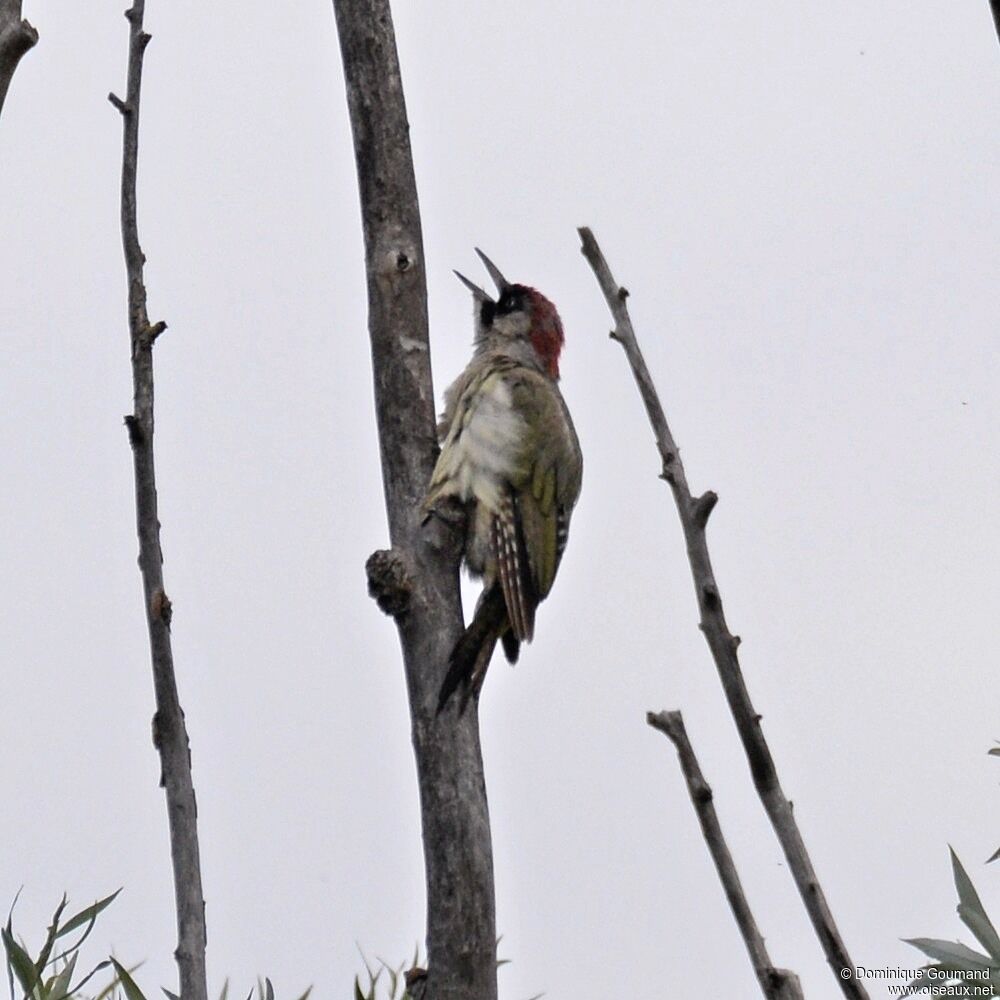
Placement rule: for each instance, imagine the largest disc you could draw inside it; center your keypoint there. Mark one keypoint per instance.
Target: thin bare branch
(724, 645)
(16, 37)
(169, 730)
(417, 581)
(775, 984)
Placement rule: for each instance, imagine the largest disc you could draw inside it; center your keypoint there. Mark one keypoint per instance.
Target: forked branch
(723, 645)
(169, 730)
(776, 984)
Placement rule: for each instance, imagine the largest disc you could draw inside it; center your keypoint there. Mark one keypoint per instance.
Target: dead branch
(169, 731)
(417, 581)
(694, 514)
(776, 984)
(16, 37)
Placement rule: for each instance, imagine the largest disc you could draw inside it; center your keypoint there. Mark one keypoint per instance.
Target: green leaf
(224, 995)
(90, 975)
(169, 995)
(10, 969)
(75, 946)
(131, 990)
(305, 996)
(18, 961)
(86, 916)
(970, 909)
(952, 954)
(368, 968)
(59, 989)
(993, 856)
(269, 991)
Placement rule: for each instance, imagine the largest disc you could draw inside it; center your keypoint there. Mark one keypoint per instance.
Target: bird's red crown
(547, 335)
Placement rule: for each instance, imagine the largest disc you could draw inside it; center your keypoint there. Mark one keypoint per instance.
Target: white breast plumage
(483, 446)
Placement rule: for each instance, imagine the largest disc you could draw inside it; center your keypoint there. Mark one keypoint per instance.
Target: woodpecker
(510, 457)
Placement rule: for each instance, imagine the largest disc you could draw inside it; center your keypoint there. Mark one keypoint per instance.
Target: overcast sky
(803, 200)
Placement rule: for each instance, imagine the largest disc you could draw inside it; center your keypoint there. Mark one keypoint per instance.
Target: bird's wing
(549, 491)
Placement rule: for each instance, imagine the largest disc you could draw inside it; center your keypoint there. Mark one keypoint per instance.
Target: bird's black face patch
(510, 301)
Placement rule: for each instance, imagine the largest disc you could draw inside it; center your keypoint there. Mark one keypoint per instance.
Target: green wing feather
(551, 485)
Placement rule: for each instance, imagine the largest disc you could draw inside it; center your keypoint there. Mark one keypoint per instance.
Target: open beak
(498, 279)
(477, 293)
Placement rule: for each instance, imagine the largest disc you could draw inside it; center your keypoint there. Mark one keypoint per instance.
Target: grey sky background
(802, 199)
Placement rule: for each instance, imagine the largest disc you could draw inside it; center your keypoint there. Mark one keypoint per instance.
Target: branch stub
(389, 581)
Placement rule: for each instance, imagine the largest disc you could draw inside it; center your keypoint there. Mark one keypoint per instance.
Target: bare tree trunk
(169, 731)
(694, 514)
(417, 580)
(776, 984)
(16, 37)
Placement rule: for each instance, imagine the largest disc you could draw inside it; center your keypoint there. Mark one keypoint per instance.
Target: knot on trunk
(389, 581)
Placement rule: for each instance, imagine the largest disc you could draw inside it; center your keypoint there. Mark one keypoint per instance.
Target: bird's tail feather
(474, 649)
(511, 646)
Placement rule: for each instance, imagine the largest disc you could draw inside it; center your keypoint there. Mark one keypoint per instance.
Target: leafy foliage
(50, 975)
(963, 970)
